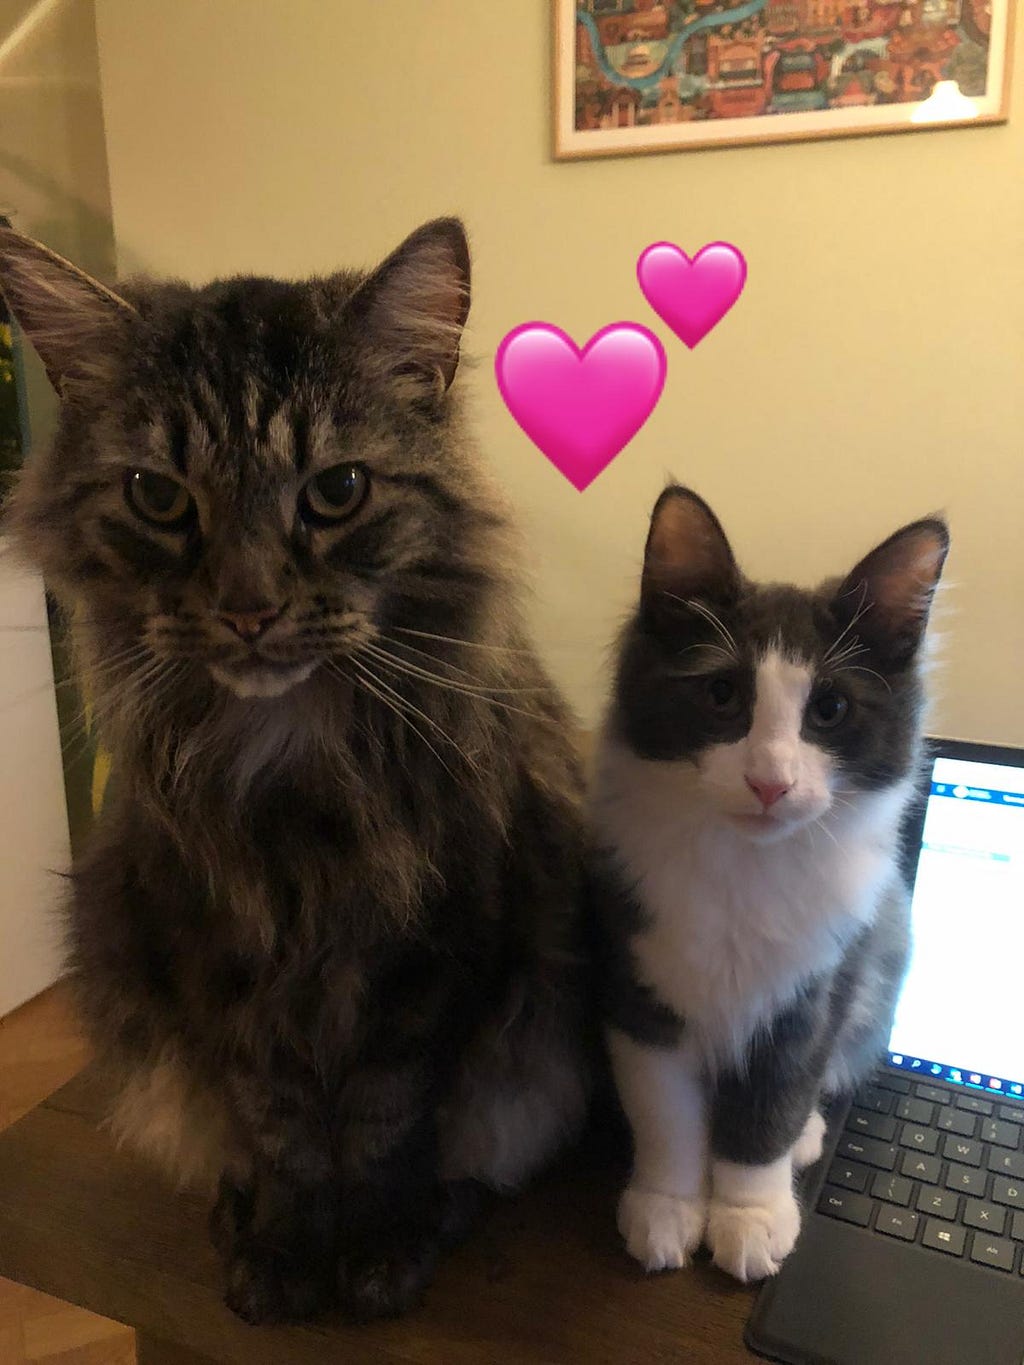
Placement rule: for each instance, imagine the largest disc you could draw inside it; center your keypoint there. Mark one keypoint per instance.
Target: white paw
(661, 1232)
(752, 1241)
(807, 1148)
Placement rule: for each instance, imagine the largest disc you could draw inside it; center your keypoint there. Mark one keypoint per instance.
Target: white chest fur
(734, 927)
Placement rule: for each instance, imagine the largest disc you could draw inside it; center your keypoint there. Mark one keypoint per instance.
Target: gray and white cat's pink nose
(768, 792)
(251, 623)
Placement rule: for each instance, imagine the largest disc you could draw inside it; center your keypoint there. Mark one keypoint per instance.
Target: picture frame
(636, 76)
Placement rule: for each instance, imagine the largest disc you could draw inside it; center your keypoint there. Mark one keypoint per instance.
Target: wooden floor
(40, 1049)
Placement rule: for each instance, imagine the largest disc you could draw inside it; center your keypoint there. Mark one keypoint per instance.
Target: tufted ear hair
(888, 596)
(69, 317)
(687, 557)
(414, 307)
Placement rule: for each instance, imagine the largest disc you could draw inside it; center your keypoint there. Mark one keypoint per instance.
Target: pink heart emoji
(580, 407)
(692, 296)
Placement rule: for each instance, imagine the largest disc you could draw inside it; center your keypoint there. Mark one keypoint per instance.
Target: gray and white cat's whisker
(712, 617)
(860, 668)
(862, 610)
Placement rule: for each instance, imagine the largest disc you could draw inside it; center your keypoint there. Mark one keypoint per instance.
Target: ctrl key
(844, 1204)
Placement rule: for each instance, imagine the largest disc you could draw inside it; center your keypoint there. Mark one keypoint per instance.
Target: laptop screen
(961, 1013)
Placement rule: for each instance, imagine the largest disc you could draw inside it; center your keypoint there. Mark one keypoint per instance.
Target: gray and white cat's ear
(414, 307)
(888, 596)
(688, 557)
(68, 316)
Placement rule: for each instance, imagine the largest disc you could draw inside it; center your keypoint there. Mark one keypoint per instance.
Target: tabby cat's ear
(887, 597)
(67, 315)
(414, 306)
(687, 557)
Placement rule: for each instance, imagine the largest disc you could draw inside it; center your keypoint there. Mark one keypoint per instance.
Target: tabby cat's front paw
(266, 1287)
(385, 1281)
(661, 1232)
(750, 1241)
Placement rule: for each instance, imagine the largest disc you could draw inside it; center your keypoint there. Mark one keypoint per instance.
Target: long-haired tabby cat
(326, 934)
(759, 752)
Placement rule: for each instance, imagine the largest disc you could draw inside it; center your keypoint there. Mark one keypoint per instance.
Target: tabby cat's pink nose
(250, 625)
(768, 792)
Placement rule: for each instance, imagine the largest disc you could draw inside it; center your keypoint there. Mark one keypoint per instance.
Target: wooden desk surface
(543, 1282)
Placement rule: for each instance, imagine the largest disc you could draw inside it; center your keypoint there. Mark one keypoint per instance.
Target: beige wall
(872, 372)
(53, 165)
(53, 183)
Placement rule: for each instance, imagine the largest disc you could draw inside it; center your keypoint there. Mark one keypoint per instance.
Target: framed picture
(667, 75)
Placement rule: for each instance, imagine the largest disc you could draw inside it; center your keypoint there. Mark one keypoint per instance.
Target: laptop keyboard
(940, 1167)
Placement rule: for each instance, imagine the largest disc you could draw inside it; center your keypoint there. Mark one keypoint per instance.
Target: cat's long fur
(326, 935)
(753, 913)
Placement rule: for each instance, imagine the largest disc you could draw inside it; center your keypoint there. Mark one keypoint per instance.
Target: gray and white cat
(754, 769)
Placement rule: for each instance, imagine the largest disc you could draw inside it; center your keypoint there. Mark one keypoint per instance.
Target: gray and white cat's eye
(827, 708)
(723, 694)
(333, 494)
(158, 499)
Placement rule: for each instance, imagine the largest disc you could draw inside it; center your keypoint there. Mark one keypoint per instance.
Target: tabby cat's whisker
(471, 679)
(467, 644)
(414, 671)
(401, 707)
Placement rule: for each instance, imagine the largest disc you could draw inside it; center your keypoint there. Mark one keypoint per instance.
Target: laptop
(912, 1249)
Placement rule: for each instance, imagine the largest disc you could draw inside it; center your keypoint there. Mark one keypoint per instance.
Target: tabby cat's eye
(161, 501)
(827, 709)
(333, 494)
(723, 694)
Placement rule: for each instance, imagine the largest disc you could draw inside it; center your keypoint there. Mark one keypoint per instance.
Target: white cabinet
(34, 845)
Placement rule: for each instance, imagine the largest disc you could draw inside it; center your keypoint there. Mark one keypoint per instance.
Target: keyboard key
(1008, 1192)
(889, 1080)
(919, 1139)
(987, 1217)
(974, 1105)
(1017, 1227)
(1006, 1163)
(894, 1189)
(918, 1166)
(937, 1203)
(871, 1125)
(895, 1222)
(917, 1111)
(875, 1098)
(968, 1179)
(933, 1093)
(1000, 1132)
(956, 1121)
(849, 1175)
(962, 1150)
(944, 1238)
(850, 1207)
(853, 1147)
(1012, 1113)
(994, 1251)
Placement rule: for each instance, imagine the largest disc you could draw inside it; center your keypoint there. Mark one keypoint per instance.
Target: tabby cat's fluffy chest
(730, 928)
